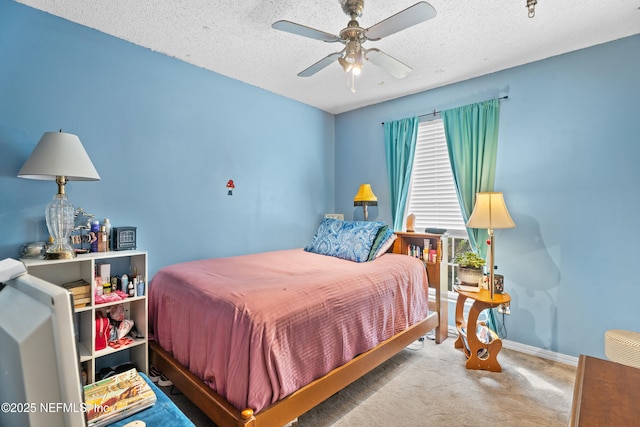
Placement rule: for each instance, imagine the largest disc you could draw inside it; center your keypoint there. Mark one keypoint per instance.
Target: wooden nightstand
(481, 354)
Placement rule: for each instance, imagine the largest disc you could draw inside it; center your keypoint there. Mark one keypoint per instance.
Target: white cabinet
(85, 267)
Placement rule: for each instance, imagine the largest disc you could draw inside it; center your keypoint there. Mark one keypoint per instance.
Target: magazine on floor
(117, 397)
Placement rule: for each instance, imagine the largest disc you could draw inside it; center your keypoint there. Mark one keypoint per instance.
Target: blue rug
(164, 412)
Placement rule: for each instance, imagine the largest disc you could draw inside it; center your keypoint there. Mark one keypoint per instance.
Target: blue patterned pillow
(349, 240)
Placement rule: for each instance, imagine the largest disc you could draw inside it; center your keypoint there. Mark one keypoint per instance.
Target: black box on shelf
(123, 238)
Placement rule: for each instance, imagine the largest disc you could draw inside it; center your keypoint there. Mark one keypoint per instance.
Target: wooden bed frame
(284, 411)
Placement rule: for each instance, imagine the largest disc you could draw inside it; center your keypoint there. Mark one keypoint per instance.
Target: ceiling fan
(351, 58)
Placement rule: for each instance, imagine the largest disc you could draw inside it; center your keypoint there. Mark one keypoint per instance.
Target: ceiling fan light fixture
(346, 65)
(352, 68)
(353, 57)
(531, 7)
(357, 65)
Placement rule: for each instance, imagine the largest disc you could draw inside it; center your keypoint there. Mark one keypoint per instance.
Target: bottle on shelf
(140, 287)
(97, 284)
(103, 245)
(131, 290)
(107, 225)
(95, 229)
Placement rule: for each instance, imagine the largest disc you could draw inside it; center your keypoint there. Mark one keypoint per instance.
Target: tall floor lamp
(490, 212)
(59, 157)
(364, 198)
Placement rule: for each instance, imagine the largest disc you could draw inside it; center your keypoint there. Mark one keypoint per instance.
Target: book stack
(81, 291)
(466, 287)
(117, 397)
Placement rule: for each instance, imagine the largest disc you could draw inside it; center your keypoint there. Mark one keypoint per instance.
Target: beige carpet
(430, 386)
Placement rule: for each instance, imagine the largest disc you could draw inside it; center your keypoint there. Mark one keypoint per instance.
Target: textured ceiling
(466, 39)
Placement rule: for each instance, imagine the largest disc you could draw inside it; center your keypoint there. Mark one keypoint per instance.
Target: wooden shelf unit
(437, 272)
(84, 267)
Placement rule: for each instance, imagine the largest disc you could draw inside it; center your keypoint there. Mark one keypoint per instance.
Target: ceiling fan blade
(388, 63)
(323, 63)
(301, 30)
(411, 16)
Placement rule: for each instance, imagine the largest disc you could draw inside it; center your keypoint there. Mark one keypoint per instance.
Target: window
(432, 193)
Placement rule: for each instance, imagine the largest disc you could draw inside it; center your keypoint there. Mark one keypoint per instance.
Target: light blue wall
(165, 138)
(569, 166)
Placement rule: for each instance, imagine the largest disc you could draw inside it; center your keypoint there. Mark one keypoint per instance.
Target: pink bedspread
(258, 327)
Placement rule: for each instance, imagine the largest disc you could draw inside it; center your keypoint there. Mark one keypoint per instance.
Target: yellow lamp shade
(365, 196)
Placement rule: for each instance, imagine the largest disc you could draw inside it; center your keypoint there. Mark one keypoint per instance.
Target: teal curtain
(400, 145)
(472, 141)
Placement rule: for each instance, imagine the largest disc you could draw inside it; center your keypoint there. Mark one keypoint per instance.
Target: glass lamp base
(59, 255)
(55, 253)
(60, 221)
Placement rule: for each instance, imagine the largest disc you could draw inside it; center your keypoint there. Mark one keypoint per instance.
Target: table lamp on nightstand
(59, 157)
(364, 198)
(490, 212)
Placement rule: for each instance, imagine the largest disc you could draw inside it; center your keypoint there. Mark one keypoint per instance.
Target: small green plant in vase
(469, 268)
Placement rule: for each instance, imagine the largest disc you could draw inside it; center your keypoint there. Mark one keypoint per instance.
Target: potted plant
(469, 268)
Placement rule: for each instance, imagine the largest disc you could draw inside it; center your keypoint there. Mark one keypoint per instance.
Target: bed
(257, 340)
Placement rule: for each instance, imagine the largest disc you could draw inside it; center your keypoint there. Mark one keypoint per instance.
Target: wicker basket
(623, 347)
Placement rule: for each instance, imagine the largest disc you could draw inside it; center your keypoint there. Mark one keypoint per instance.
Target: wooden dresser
(605, 394)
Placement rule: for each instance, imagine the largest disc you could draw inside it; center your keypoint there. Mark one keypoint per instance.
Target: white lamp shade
(490, 211)
(59, 154)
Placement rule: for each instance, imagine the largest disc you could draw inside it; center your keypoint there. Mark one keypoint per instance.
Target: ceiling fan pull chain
(351, 81)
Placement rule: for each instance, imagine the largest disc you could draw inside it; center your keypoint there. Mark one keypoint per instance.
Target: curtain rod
(438, 112)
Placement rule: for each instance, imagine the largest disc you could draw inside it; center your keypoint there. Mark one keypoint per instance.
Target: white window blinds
(432, 194)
